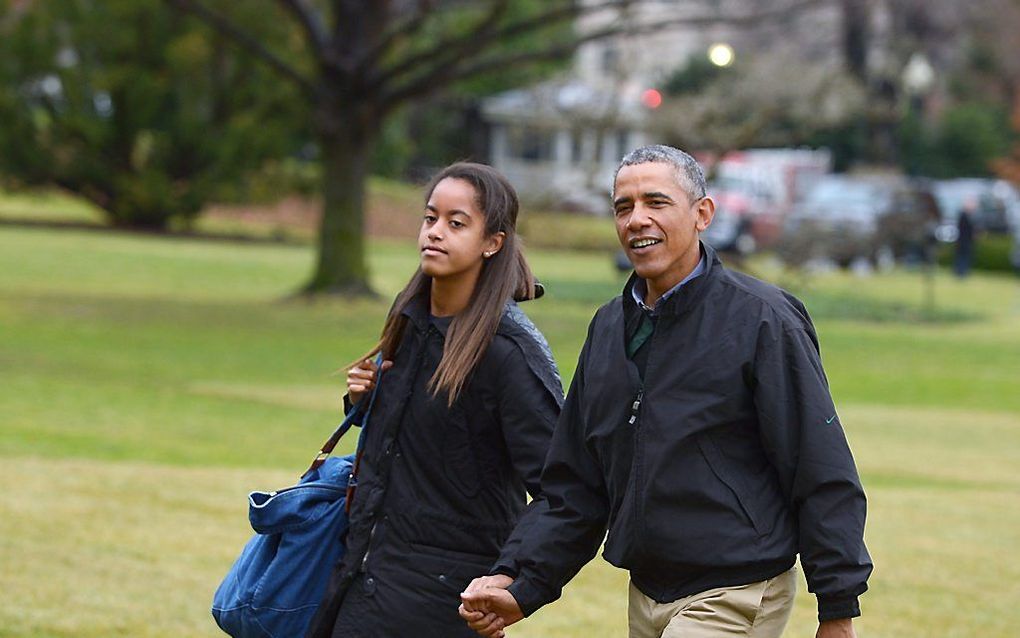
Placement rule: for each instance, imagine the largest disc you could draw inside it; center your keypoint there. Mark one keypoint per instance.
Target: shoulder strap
(356, 416)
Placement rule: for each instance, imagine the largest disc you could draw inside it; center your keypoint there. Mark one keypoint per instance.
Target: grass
(148, 383)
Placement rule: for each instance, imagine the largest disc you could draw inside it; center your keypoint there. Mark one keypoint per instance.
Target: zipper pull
(636, 406)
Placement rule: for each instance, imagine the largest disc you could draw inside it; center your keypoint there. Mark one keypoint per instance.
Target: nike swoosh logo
(830, 419)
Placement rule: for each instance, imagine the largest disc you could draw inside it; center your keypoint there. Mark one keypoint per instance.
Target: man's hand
(488, 607)
(842, 628)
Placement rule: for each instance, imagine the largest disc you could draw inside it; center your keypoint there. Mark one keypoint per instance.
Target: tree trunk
(346, 157)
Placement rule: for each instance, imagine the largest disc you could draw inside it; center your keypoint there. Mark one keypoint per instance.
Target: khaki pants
(758, 610)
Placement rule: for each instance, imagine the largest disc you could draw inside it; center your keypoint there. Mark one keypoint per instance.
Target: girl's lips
(432, 250)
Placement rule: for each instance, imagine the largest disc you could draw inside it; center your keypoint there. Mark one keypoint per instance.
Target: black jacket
(441, 490)
(716, 470)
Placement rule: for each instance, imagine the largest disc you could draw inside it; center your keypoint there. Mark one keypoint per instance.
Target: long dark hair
(504, 276)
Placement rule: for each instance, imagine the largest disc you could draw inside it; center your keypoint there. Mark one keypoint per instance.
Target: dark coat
(442, 489)
(716, 470)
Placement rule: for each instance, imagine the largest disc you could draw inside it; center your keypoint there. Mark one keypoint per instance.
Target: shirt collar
(640, 288)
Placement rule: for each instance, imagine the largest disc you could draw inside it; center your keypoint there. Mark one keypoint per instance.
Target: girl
(467, 399)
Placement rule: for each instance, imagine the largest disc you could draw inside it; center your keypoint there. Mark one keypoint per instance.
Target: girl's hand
(362, 378)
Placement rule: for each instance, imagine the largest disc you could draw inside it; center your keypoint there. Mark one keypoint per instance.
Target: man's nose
(638, 218)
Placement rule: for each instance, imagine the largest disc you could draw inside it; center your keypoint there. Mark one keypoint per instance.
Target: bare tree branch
(311, 21)
(454, 47)
(402, 29)
(245, 40)
(444, 74)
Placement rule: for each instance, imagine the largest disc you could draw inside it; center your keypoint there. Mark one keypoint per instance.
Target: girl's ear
(493, 244)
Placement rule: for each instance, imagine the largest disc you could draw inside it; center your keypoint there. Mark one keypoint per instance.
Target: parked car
(738, 207)
(1014, 255)
(881, 219)
(994, 200)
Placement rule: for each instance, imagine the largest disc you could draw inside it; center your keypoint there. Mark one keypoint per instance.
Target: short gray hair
(688, 173)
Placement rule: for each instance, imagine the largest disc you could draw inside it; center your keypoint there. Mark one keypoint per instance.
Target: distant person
(965, 238)
(468, 395)
(699, 430)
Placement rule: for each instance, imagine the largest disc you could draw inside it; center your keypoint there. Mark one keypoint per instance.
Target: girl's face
(452, 239)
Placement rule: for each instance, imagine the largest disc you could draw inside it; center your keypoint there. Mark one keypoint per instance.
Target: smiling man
(700, 432)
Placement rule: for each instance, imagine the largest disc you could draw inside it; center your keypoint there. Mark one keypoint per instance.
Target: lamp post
(918, 78)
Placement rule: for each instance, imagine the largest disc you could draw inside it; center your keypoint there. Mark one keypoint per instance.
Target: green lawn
(147, 384)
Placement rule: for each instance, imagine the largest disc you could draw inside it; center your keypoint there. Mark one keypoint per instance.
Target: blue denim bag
(275, 586)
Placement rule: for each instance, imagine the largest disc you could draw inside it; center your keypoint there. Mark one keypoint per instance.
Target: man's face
(658, 223)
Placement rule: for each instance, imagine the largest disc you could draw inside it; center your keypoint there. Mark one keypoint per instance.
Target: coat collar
(688, 295)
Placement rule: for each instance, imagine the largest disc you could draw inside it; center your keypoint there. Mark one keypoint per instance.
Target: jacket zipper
(635, 407)
(368, 550)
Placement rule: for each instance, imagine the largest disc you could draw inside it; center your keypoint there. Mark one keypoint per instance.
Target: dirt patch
(299, 216)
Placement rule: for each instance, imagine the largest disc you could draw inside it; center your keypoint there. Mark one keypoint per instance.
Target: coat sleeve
(528, 412)
(570, 524)
(805, 442)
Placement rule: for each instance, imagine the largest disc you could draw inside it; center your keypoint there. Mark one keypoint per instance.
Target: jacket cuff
(349, 407)
(504, 569)
(837, 607)
(527, 597)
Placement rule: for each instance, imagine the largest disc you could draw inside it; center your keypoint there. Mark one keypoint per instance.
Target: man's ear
(705, 212)
(494, 243)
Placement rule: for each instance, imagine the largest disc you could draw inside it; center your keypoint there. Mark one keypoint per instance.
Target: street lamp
(918, 75)
(918, 78)
(721, 54)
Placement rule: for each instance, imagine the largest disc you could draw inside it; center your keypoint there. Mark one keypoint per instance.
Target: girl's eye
(430, 218)
(457, 224)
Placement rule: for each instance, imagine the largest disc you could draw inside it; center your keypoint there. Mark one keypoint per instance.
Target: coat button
(442, 578)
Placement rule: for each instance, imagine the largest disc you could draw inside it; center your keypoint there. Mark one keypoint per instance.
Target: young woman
(467, 398)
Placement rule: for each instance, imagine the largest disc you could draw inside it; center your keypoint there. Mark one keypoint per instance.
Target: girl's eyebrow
(455, 211)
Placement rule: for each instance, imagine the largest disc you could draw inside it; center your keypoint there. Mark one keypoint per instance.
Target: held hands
(362, 378)
(488, 607)
(842, 628)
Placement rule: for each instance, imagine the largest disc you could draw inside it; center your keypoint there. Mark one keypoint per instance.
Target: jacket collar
(417, 310)
(688, 295)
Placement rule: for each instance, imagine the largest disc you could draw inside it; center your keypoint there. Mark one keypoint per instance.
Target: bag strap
(351, 419)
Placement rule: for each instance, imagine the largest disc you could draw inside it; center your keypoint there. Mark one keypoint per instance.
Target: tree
(149, 119)
(370, 58)
(774, 100)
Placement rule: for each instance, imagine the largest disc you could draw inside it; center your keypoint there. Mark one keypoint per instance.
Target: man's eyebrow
(657, 195)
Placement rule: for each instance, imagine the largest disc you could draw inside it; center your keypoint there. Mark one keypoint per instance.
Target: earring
(486, 255)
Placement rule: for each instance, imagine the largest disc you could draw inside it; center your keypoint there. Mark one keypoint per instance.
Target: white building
(559, 142)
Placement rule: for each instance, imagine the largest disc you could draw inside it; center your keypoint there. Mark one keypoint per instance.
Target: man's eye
(657, 203)
(622, 210)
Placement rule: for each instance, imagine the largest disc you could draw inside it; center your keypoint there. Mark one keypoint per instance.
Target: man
(699, 430)
(965, 238)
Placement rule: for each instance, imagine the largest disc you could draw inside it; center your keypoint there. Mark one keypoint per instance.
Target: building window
(529, 144)
(576, 146)
(610, 59)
